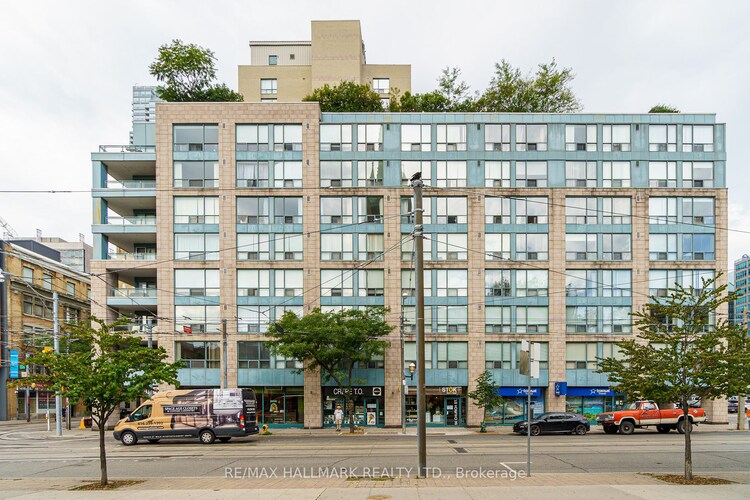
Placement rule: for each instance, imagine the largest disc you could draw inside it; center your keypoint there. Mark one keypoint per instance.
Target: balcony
(131, 184)
(126, 148)
(131, 256)
(132, 297)
(133, 220)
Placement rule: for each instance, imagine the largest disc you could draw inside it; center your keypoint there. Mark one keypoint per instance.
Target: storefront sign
(13, 363)
(590, 391)
(561, 388)
(451, 390)
(518, 391)
(356, 391)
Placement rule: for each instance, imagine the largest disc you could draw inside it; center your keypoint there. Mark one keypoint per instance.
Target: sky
(68, 69)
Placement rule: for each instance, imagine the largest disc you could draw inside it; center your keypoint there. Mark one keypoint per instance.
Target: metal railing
(131, 184)
(133, 292)
(138, 220)
(126, 148)
(131, 256)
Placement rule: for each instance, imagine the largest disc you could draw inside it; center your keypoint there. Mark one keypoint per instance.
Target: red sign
(187, 329)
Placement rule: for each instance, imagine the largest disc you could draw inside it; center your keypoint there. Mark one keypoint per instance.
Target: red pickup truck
(646, 413)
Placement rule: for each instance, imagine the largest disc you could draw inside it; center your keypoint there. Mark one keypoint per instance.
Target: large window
(370, 247)
(195, 138)
(662, 174)
(662, 246)
(198, 354)
(698, 247)
(252, 174)
(531, 174)
(662, 138)
(253, 282)
(371, 283)
(336, 137)
(336, 247)
(531, 137)
(252, 138)
(370, 137)
(288, 247)
(531, 283)
(616, 210)
(580, 173)
(196, 282)
(531, 247)
(506, 355)
(497, 319)
(287, 174)
(196, 210)
(287, 137)
(497, 174)
(370, 209)
(253, 355)
(583, 355)
(698, 211)
(288, 283)
(531, 210)
(268, 86)
(580, 137)
(662, 210)
(381, 85)
(28, 275)
(531, 319)
(581, 319)
(451, 246)
(451, 210)
(451, 137)
(616, 246)
(497, 246)
(697, 138)
(336, 210)
(452, 355)
(369, 173)
(409, 168)
(497, 210)
(253, 210)
(497, 283)
(451, 282)
(580, 246)
(196, 246)
(497, 137)
(451, 174)
(335, 174)
(616, 174)
(580, 210)
(615, 138)
(287, 210)
(196, 174)
(416, 138)
(697, 174)
(254, 246)
(450, 319)
(197, 319)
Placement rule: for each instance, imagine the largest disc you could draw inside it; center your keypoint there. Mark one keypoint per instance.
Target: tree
(683, 349)
(102, 366)
(663, 108)
(484, 396)
(346, 97)
(335, 342)
(188, 72)
(548, 91)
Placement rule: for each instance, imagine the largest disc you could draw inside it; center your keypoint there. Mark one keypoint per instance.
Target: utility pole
(403, 377)
(56, 336)
(146, 326)
(417, 184)
(224, 353)
(741, 416)
(4, 351)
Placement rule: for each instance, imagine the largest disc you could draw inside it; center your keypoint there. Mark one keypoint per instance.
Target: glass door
(452, 411)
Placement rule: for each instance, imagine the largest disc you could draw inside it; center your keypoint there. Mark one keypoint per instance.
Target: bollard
(46, 416)
(82, 426)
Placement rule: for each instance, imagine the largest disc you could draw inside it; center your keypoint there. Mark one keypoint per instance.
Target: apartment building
(31, 272)
(548, 227)
(287, 71)
(740, 313)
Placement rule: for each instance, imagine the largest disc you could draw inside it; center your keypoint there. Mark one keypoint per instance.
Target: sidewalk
(558, 486)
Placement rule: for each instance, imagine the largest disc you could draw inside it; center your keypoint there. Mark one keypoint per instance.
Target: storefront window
(444, 406)
(514, 409)
(367, 405)
(280, 405)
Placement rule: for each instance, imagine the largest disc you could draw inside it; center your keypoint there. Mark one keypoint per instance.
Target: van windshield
(141, 413)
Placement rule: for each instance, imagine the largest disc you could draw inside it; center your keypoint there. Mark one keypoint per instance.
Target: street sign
(14, 363)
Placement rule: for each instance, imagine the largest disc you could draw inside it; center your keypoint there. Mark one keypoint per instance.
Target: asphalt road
(644, 451)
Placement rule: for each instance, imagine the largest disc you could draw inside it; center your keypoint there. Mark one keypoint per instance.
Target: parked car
(555, 423)
(646, 413)
(733, 404)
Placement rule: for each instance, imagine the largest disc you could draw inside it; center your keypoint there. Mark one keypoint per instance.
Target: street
(289, 452)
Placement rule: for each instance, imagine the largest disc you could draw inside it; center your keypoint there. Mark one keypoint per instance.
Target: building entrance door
(453, 411)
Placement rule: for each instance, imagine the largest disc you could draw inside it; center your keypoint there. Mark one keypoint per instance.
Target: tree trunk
(102, 451)
(688, 446)
(350, 401)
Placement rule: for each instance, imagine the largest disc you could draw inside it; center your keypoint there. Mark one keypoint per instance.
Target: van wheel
(153, 440)
(225, 439)
(627, 427)
(128, 438)
(207, 437)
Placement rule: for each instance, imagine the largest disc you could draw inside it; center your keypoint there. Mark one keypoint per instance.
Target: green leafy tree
(663, 108)
(334, 342)
(547, 91)
(188, 72)
(430, 102)
(484, 396)
(683, 349)
(102, 366)
(346, 97)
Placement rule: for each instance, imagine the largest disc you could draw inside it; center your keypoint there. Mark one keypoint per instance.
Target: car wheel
(224, 439)
(580, 429)
(153, 441)
(627, 427)
(128, 438)
(535, 430)
(681, 426)
(663, 429)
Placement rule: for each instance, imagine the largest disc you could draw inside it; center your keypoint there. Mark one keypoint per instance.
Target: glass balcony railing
(131, 184)
(126, 148)
(137, 220)
(131, 256)
(132, 293)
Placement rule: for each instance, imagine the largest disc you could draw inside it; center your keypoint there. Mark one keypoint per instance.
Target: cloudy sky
(68, 68)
